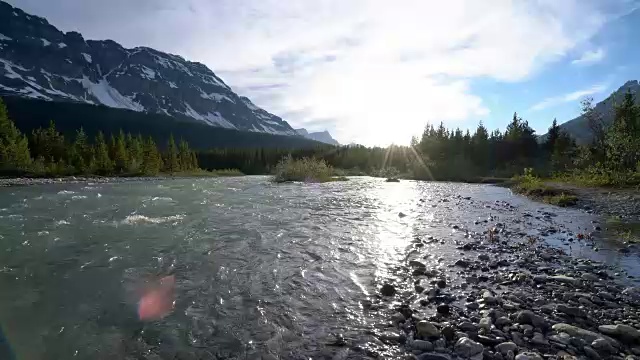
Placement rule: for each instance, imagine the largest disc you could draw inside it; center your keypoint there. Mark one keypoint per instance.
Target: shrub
(305, 169)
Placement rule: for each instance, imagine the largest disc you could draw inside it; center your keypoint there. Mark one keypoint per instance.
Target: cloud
(590, 57)
(570, 97)
(369, 71)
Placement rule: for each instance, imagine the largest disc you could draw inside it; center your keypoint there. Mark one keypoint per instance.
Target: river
(262, 270)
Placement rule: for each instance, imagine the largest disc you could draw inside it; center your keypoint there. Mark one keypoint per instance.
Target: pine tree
(172, 164)
(103, 163)
(119, 151)
(184, 156)
(151, 160)
(623, 138)
(194, 161)
(80, 156)
(134, 150)
(14, 147)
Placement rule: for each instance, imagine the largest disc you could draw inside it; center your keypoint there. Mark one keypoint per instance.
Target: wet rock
(484, 257)
(397, 318)
(427, 329)
(441, 283)
(539, 339)
(468, 348)
(449, 332)
(488, 340)
(434, 356)
(488, 297)
(472, 305)
(570, 310)
(422, 345)
(621, 331)
(565, 280)
(591, 353)
(467, 326)
(392, 336)
(517, 338)
(443, 309)
(603, 346)
(485, 323)
(590, 277)
(577, 332)
(528, 317)
(462, 263)
(387, 290)
(502, 321)
(528, 356)
(505, 347)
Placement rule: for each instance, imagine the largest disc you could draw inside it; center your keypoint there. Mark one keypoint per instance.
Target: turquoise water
(260, 268)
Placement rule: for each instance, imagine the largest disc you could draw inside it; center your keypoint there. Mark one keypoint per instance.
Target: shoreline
(510, 296)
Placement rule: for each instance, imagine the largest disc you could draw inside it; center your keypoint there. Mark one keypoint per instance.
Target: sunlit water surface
(260, 268)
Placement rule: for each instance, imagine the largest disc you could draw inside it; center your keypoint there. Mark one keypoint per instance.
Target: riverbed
(289, 271)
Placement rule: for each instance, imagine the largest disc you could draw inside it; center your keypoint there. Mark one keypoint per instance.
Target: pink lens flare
(158, 300)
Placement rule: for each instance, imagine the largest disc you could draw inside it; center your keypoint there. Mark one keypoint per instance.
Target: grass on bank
(306, 170)
(599, 177)
(624, 231)
(533, 187)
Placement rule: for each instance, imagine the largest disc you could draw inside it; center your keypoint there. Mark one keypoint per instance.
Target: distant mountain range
(40, 62)
(322, 136)
(578, 128)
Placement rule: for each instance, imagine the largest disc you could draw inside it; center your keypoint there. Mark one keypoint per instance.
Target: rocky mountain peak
(39, 61)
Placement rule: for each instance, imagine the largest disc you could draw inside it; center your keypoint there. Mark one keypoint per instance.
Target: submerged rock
(387, 290)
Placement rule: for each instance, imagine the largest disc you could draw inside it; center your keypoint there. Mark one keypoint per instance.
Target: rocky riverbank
(509, 296)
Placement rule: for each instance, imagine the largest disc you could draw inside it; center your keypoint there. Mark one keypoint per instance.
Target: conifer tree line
(46, 152)
(438, 153)
(445, 154)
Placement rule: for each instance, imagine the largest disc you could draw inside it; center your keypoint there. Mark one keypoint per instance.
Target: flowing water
(262, 270)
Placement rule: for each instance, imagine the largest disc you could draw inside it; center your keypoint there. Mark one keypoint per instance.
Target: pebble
(468, 348)
(422, 345)
(505, 347)
(528, 356)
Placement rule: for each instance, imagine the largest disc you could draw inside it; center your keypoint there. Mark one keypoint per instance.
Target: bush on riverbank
(535, 188)
(305, 169)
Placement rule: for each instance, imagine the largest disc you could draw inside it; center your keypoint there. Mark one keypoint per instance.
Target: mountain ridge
(321, 136)
(578, 127)
(39, 61)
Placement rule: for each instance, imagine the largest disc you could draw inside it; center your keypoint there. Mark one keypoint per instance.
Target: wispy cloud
(590, 57)
(368, 70)
(569, 97)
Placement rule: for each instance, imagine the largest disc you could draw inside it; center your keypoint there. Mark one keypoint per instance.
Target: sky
(375, 72)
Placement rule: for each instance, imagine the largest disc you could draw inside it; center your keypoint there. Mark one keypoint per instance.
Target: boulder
(623, 332)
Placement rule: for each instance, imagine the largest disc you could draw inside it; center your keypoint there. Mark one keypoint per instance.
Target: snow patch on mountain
(45, 42)
(148, 73)
(87, 57)
(211, 118)
(5, 38)
(62, 45)
(109, 96)
(172, 85)
(249, 104)
(215, 97)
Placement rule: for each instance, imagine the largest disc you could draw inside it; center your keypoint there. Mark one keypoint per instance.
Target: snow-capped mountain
(322, 136)
(39, 61)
